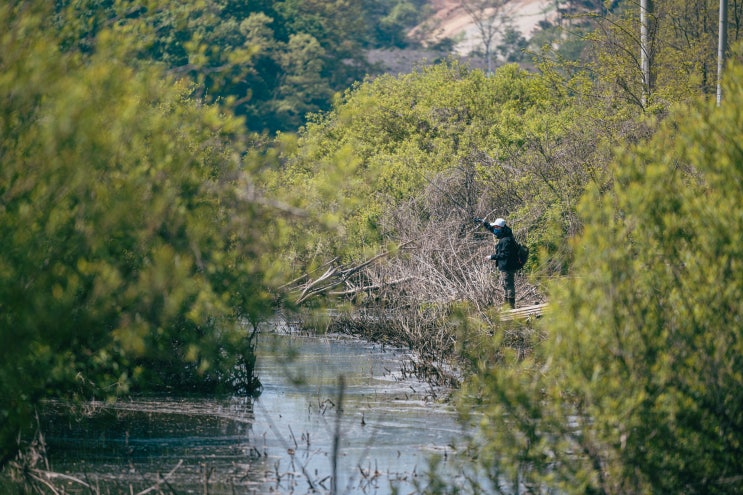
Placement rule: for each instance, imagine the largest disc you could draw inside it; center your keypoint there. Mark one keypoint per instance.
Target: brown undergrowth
(431, 287)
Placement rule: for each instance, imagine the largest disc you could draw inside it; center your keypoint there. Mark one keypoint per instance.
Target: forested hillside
(273, 62)
(172, 174)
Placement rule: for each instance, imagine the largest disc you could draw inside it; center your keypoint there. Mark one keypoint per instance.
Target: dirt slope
(451, 21)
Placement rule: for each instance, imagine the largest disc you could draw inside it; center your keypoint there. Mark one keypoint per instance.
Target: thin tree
(488, 17)
(721, 47)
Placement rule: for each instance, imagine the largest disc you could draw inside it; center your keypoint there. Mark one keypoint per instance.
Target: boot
(512, 302)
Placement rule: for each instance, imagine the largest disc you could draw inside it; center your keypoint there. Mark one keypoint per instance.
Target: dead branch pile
(405, 297)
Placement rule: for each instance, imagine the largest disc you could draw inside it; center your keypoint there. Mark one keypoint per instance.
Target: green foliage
(682, 50)
(388, 139)
(131, 247)
(638, 389)
(272, 61)
(303, 89)
(513, 44)
(449, 142)
(392, 28)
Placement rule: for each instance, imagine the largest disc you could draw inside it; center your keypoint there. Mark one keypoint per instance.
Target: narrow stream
(377, 435)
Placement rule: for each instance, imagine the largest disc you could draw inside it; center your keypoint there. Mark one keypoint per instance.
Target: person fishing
(506, 255)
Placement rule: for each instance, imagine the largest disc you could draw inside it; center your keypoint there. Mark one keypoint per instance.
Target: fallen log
(526, 312)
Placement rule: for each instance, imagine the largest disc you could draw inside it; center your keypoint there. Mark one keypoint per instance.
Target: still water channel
(377, 431)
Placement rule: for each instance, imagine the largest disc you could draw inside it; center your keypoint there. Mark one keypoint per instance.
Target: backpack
(522, 252)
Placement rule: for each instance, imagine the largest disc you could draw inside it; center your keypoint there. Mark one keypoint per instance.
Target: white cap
(499, 222)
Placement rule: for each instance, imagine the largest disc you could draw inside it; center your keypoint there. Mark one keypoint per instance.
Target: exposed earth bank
(451, 21)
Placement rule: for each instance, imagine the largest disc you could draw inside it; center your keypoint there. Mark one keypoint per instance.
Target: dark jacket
(506, 251)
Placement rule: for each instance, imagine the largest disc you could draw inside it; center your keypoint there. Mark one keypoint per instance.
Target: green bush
(130, 247)
(639, 387)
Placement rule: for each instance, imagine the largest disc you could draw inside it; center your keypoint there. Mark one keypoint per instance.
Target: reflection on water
(387, 425)
(138, 442)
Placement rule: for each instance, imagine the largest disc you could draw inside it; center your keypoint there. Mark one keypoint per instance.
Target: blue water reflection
(390, 423)
(377, 437)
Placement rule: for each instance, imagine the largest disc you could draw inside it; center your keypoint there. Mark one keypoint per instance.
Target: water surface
(377, 435)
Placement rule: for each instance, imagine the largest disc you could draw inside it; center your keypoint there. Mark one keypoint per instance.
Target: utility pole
(721, 47)
(644, 54)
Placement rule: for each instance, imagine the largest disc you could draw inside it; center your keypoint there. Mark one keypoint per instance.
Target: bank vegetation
(144, 228)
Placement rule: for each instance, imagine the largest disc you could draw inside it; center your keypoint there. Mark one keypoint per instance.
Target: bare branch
(335, 276)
